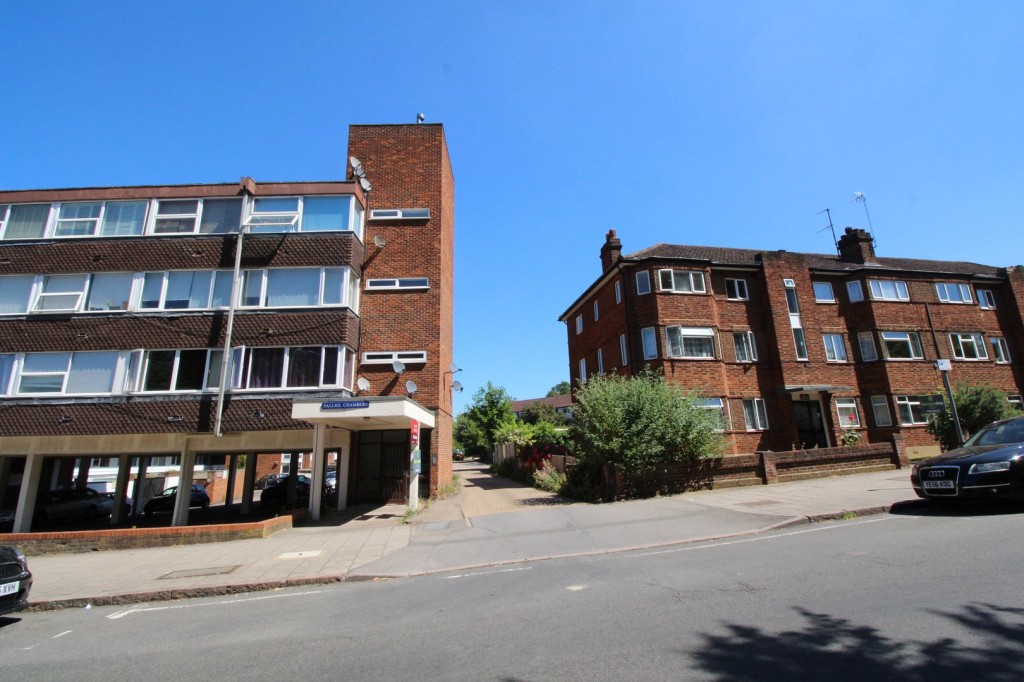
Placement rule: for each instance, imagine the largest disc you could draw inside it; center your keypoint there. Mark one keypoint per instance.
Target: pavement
(489, 522)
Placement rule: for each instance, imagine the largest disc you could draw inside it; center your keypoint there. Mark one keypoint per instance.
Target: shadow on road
(979, 507)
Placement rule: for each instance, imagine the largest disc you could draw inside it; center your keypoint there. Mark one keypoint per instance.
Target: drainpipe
(225, 361)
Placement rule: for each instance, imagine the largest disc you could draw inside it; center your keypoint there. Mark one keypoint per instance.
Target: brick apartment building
(793, 349)
(117, 325)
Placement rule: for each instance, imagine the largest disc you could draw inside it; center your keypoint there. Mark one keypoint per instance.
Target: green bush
(976, 406)
(548, 478)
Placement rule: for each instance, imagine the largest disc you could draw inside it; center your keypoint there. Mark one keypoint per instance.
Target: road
(928, 595)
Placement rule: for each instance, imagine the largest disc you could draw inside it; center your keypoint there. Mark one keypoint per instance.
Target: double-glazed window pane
(14, 294)
(330, 373)
(77, 220)
(159, 370)
(968, 346)
(901, 345)
(745, 351)
(92, 372)
(867, 347)
(266, 367)
(293, 288)
(754, 414)
(191, 370)
(888, 290)
(176, 216)
(187, 289)
(847, 410)
(880, 408)
(109, 291)
(691, 342)
(123, 218)
(221, 216)
(835, 349)
(44, 372)
(27, 221)
(61, 292)
(304, 366)
(649, 343)
(6, 372)
(321, 214)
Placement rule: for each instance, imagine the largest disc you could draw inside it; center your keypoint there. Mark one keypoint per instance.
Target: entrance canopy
(359, 414)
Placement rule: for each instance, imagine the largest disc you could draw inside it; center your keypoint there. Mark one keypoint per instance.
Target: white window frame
(745, 340)
(690, 333)
(953, 292)
(42, 294)
(618, 292)
(399, 213)
(18, 373)
(986, 299)
(138, 368)
(408, 357)
(905, 406)
(281, 221)
(800, 344)
(755, 415)
(682, 281)
(835, 348)
(845, 409)
(716, 405)
(1015, 400)
(888, 290)
(819, 287)
(1000, 349)
(879, 407)
(913, 341)
(962, 342)
(579, 324)
(622, 350)
(597, 311)
(649, 339)
(349, 288)
(868, 350)
(600, 361)
(5, 216)
(583, 370)
(855, 291)
(398, 284)
(643, 282)
(736, 289)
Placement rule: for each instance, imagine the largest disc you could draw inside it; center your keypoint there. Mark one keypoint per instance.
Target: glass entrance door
(809, 424)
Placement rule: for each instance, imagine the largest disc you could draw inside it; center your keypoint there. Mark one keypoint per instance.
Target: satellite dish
(379, 241)
(365, 184)
(356, 167)
(457, 386)
(410, 386)
(363, 384)
(398, 366)
(454, 368)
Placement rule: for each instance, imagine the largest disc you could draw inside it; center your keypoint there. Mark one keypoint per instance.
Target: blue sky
(713, 123)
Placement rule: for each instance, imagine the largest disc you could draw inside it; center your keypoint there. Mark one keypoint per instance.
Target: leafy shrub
(548, 478)
(976, 406)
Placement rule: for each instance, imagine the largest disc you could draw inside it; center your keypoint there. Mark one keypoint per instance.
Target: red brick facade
(778, 376)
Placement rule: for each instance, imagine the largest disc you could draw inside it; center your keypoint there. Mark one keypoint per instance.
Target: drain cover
(199, 572)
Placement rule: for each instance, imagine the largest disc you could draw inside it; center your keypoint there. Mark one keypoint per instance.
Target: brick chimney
(611, 252)
(856, 246)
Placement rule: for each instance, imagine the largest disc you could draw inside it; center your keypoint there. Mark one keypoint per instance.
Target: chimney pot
(611, 252)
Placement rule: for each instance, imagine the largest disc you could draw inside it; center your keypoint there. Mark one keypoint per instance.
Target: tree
(477, 428)
(976, 406)
(561, 388)
(639, 423)
(537, 413)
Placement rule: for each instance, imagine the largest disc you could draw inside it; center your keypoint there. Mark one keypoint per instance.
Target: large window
(866, 341)
(909, 407)
(306, 214)
(61, 292)
(835, 349)
(298, 287)
(968, 346)
(950, 292)
(736, 290)
(109, 291)
(15, 292)
(691, 342)
(880, 408)
(901, 345)
(650, 344)
(25, 221)
(755, 416)
(1000, 349)
(846, 408)
(681, 281)
(746, 350)
(174, 370)
(68, 373)
(185, 289)
(888, 290)
(296, 367)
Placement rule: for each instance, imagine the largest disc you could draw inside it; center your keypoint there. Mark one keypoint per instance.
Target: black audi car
(989, 464)
(15, 580)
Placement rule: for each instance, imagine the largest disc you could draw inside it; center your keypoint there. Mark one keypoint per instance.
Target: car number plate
(939, 484)
(8, 588)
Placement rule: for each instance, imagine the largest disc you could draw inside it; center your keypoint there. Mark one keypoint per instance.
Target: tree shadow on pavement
(839, 649)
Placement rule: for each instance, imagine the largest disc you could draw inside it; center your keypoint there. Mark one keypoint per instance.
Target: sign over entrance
(345, 405)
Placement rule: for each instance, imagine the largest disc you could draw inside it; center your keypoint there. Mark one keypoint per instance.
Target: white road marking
(476, 573)
(66, 632)
(763, 538)
(225, 602)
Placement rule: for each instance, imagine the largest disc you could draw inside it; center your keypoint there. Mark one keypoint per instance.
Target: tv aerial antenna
(830, 227)
(863, 200)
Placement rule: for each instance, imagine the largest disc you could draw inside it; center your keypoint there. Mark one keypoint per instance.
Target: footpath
(490, 522)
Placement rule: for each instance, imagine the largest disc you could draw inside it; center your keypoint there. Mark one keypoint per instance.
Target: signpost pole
(415, 464)
(945, 366)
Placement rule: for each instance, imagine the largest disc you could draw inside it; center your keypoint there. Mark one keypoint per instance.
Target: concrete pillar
(140, 486)
(27, 497)
(342, 474)
(5, 478)
(316, 489)
(188, 466)
(229, 494)
(83, 472)
(124, 471)
(250, 481)
(293, 477)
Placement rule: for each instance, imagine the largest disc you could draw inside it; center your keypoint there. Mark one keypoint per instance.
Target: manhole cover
(199, 572)
(760, 503)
